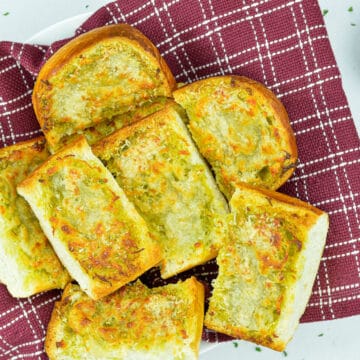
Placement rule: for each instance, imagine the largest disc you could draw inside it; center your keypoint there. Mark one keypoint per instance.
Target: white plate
(62, 30)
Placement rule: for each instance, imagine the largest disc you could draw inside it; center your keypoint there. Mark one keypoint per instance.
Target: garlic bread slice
(241, 129)
(94, 229)
(98, 75)
(133, 323)
(157, 164)
(268, 267)
(28, 264)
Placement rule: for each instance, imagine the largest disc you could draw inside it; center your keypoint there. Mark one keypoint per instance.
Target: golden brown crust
(235, 332)
(55, 320)
(199, 289)
(283, 198)
(37, 144)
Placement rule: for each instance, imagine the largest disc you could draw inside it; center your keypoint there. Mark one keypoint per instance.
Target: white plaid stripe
(230, 13)
(309, 86)
(22, 135)
(6, 114)
(342, 243)
(228, 57)
(323, 171)
(218, 61)
(123, 18)
(114, 19)
(157, 11)
(276, 84)
(250, 19)
(13, 100)
(183, 50)
(328, 123)
(321, 113)
(184, 71)
(267, 46)
(321, 303)
(219, 28)
(343, 287)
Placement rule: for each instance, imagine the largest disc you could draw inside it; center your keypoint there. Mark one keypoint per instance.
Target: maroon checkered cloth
(283, 44)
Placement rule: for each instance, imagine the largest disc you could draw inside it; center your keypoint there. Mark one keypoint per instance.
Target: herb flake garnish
(235, 344)
(320, 335)
(325, 11)
(285, 353)
(350, 9)
(258, 349)
(6, 13)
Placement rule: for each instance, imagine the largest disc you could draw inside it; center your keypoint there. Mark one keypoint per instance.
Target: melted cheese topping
(105, 80)
(258, 265)
(26, 254)
(163, 321)
(238, 132)
(159, 168)
(87, 212)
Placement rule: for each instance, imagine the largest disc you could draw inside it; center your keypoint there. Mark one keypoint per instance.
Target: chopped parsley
(285, 353)
(350, 9)
(325, 11)
(258, 349)
(320, 335)
(86, 6)
(353, 24)
(235, 344)
(6, 13)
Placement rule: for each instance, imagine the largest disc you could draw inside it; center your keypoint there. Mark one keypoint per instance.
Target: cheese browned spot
(241, 129)
(162, 173)
(28, 264)
(135, 322)
(267, 268)
(92, 226)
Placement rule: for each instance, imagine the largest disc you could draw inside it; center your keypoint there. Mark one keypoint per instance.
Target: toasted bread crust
(270, 263)
(260, 149)
(76, 48)
(103, 252)
(166, 323)
(160, 170)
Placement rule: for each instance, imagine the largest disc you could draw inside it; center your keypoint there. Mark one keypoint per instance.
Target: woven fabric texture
(283, 44)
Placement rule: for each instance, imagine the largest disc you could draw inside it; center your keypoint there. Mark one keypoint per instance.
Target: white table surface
(331, 340)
